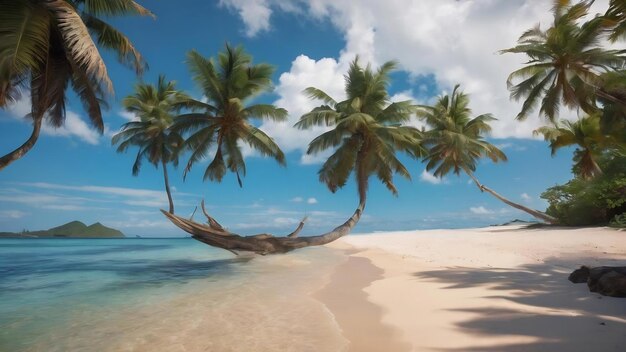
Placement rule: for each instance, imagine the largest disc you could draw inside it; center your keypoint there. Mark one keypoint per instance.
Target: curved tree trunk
(24, 148)
(167, 186)
(215, 235)
(536, 213)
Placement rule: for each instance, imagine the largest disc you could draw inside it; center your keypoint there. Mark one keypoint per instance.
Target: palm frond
(81, 48)
(110, 38)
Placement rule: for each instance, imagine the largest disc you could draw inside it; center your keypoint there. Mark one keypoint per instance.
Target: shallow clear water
(160, 294)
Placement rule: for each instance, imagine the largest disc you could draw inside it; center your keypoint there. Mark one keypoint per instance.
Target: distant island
(73, 229)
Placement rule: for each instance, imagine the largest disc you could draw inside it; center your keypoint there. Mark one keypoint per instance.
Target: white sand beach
(487, 289)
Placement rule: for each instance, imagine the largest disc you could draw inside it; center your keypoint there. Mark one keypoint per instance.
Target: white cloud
(456, 41)
(12, 214)
(141, 224)
(74, 125)
(481, 210)
(121, 191)
(526, 197)
(311, 201)
(325, 74)
(128, 196)
(430, 178)
(254, 13)
(297, 199)
(129, 116)
(272, 223)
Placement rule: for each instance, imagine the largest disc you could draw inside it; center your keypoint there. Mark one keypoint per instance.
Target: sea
(147, 294)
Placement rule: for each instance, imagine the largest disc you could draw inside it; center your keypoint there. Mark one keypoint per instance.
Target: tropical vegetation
(47, 45)
(569, 65)
(597, 201)
(367, 130)
(456, 142)
(228, 83)
(565, 63)
(155, 108)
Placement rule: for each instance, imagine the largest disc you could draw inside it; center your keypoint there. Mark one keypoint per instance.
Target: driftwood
(214, 234)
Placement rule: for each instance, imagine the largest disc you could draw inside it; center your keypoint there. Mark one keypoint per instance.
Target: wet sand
(359, 319)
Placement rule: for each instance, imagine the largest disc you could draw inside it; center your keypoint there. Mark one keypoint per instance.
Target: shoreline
(359, 319)
(487, 289)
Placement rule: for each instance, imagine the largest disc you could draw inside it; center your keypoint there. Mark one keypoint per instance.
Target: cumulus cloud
(455, 41)
(297, 199)
(311, 201)
(526, 197)
(254, 13)
(481, 210)
(325, 74)
(430, 178)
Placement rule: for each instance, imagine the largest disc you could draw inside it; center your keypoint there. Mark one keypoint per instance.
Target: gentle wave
(161, 294)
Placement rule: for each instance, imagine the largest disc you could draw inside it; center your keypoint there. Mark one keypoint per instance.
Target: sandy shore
(491, 289)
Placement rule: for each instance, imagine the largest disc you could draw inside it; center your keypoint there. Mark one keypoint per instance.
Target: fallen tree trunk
(214, 234)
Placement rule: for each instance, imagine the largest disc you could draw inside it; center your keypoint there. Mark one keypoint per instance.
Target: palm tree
(367, 133)
(155, 106)
(616, 18)
(586, 134)
(565, 63)
(229, 83)
(613, 114)
(455, 142)
(47, 45)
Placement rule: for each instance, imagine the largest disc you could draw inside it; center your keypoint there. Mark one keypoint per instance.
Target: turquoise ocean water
(160, 294)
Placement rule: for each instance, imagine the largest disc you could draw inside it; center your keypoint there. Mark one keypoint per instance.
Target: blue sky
(74, 174)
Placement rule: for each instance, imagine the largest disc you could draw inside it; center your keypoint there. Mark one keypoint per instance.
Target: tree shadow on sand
(574, 319)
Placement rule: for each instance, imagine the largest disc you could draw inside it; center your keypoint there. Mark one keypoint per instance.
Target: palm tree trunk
(215, 235)
(24, 148)
(536, 213)
(167, 186)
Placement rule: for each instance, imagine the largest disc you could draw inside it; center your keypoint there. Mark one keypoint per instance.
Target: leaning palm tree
(456, 142)
(586, 133)
(155, 106)
(565, 63)
(367, 132)
(228, 83)
(46, 45)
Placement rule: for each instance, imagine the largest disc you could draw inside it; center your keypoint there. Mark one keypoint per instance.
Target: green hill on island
(74, 229)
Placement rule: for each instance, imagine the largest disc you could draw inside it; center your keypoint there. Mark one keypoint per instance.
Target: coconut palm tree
(46, 45)
(367, 132)
(155, 106)
(565, 63)
(456, 142)
(586, 133)
(228, 82)
(616, 18)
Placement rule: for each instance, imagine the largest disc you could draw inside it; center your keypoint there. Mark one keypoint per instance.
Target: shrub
(598, 201)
